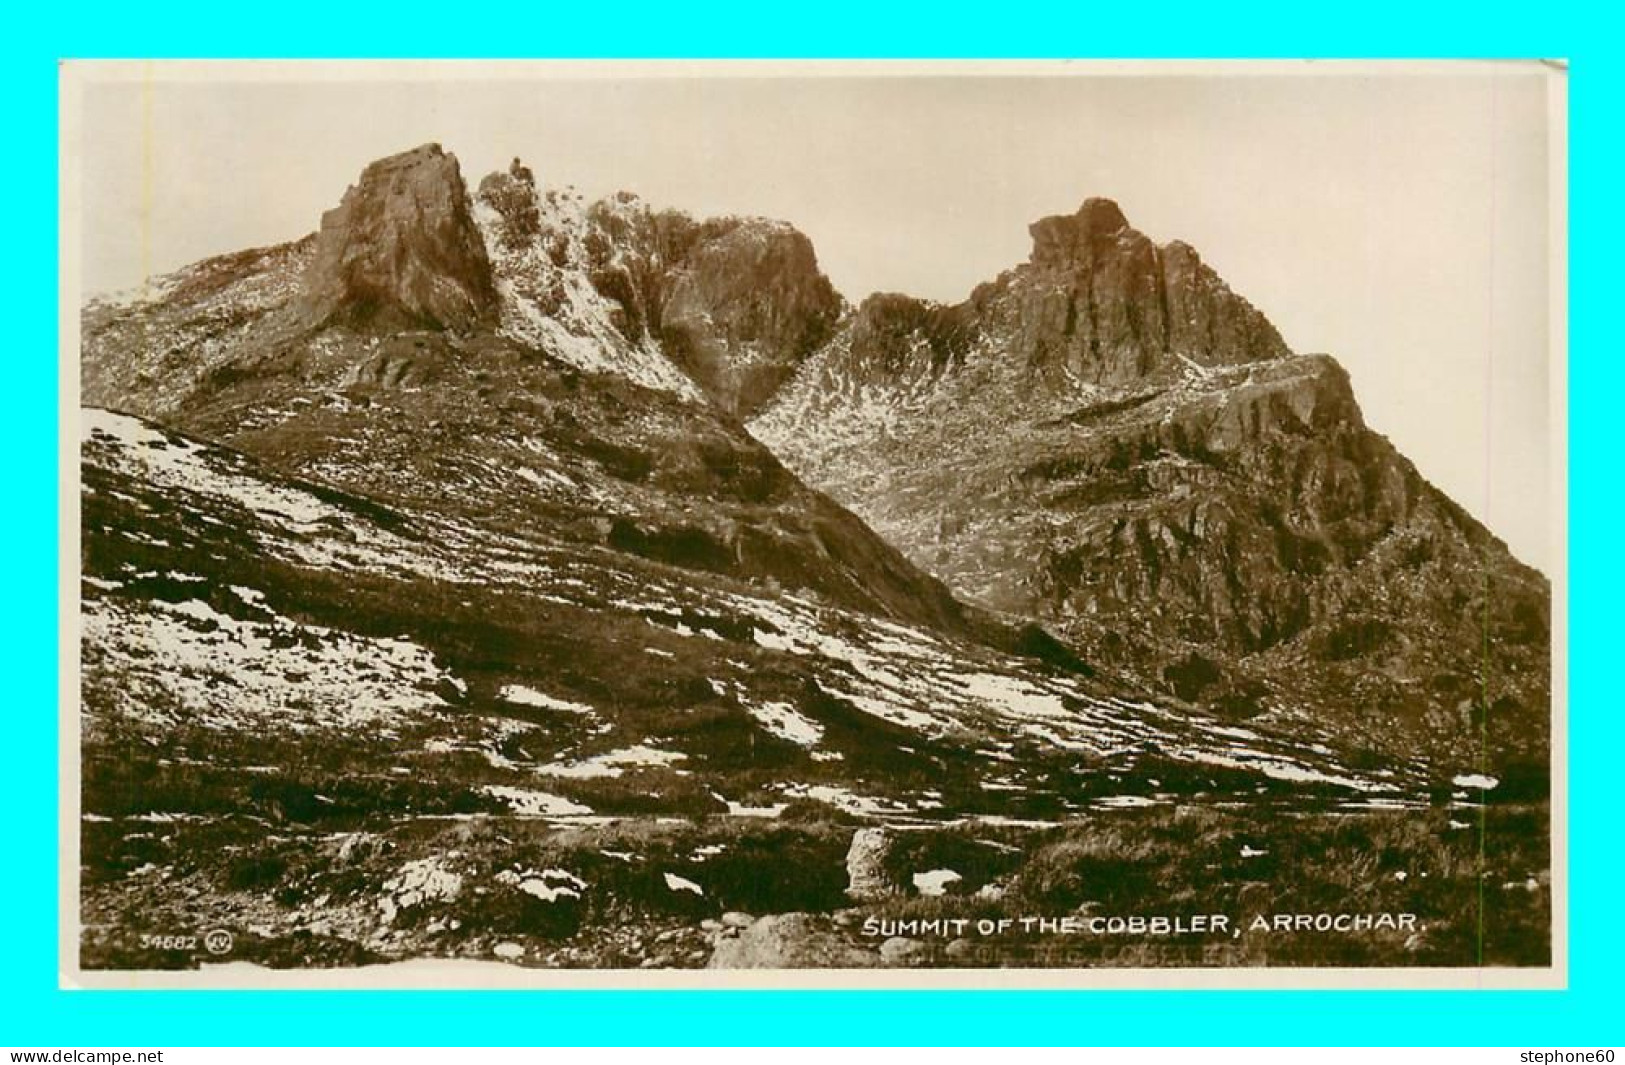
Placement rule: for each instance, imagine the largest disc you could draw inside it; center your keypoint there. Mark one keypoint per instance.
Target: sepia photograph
(860, 524)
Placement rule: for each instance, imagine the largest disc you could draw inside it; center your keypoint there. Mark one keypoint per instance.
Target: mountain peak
(401, 249)
(1111, 305)
(1099, 214)
(1067, 238)
(423, 153)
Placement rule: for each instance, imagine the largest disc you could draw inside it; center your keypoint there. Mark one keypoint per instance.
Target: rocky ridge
(723, 309)
(394, 355)
(1107, 438)
(731, 305)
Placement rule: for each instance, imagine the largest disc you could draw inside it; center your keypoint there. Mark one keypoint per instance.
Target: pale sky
(1397, 222)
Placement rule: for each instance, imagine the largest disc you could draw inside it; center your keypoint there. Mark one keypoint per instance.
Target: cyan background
(33, 1012)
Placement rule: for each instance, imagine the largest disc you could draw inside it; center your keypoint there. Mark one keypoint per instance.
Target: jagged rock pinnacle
(1110, 305)
(401, 250)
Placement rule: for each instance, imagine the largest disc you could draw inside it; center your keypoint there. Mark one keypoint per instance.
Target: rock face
(725, 308)
(401, 250)
(1108, 439)
(743, 309)
(1099, 302)
(737, 303)
(893, 337)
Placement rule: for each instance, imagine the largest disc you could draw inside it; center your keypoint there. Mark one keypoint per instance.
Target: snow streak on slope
(549, 301)
(171, 663)
(304, 526)
(834, 694)
(151, 347)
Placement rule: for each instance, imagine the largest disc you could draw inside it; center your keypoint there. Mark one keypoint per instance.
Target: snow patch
(677, 883)
(549, 885)
(527, 803)
(935, 882)
(523, 696)
(782, 720)
(167, 663)
(613, 763)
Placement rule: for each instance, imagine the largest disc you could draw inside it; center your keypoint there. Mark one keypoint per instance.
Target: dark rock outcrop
(893, 336)
(401, 250)
(737, 303)
(744, 309)
(512, 194)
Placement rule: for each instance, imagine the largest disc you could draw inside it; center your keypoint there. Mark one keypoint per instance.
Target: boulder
(865, 865)
(790, 941)
(899, 951)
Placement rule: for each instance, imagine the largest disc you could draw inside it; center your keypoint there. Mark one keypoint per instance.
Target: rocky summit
(1099, 302)
(500, 575)
(401, 250)
(1110, 440)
